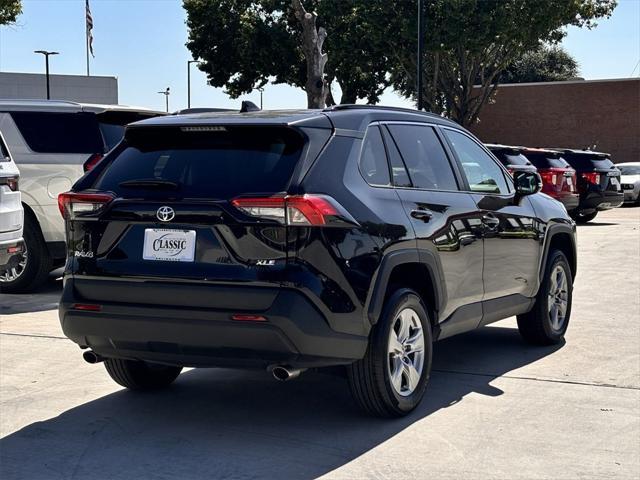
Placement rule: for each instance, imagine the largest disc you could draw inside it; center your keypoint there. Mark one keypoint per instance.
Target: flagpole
(86, 41)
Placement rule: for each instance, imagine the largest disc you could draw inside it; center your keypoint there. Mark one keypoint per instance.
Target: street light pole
(189, 62)
(420, 46)
(46, 64)
(166, 94)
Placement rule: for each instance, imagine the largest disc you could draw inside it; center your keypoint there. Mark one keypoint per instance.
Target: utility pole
(166, 94)
(46, 63)
(420, 54)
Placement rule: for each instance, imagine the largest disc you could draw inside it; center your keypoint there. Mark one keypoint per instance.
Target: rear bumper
(295, 333)
(592, 201)
(570, 201)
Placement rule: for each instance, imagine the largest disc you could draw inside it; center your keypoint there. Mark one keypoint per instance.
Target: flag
(89, 29)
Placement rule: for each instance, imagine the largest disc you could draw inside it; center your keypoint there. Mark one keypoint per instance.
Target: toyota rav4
(353, 236)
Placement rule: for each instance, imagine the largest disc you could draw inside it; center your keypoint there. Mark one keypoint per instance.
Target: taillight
(510, 170)
(12, 183)
(591, 177)
(548, 177)
(292, 209)
(72, 204)
(92, 161)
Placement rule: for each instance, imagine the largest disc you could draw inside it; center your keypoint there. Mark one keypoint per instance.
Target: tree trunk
(312, 41)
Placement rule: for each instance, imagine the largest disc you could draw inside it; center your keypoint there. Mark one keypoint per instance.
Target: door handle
(424, 215)
(490, 221)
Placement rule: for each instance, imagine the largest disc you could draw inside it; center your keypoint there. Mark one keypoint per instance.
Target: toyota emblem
(165, 214)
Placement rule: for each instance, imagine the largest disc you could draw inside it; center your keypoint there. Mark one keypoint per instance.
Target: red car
(558, 177)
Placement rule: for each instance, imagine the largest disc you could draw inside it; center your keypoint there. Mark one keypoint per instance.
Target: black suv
(598, 182)
(290, 240)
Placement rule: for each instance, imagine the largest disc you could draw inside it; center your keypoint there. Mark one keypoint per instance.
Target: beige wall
(77, 88)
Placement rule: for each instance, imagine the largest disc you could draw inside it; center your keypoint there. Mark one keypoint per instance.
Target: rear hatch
(596, 172)
(195, 205)
(513, 159)
(558, 177)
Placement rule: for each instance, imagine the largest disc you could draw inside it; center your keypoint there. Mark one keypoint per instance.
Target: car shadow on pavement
(44, 298)
(220, 423)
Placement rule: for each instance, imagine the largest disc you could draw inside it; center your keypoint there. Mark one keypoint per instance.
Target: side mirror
(527, 183)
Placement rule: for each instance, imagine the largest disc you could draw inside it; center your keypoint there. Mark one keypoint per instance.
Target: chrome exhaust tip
(283, 373)
(92, 357)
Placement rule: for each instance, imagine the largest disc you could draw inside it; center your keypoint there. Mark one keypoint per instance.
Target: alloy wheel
(558, 298)
(406, 352)
(14, 272)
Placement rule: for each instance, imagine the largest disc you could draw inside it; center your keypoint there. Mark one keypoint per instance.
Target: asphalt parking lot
(495, 408)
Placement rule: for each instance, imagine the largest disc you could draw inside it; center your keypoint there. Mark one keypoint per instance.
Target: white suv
(10, 214)
(54, 143)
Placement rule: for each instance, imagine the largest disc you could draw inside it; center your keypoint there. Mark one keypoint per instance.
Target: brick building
(575, 114)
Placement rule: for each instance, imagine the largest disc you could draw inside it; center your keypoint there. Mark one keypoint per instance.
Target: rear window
(629, 169)
(547, 160)
(508, 158)
(588, 161)
(4, 153)
(202, 164)
(112, 124)
(47, 132)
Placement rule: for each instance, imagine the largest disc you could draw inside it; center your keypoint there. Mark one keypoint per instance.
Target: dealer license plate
(169, 245)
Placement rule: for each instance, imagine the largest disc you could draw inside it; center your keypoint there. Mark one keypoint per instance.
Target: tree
(470, 42)
(243, 44)
(9, 11)
(544, 64)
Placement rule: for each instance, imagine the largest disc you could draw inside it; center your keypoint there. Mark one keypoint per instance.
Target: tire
(36, 263)
(370, 379)
(540, 326)
(580, 217)
(137, 375)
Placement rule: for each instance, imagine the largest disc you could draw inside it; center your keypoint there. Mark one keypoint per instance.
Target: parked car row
(584, 181)
(53, 143)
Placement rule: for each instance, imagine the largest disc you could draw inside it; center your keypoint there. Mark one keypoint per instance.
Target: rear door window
(483, 173)
(424, 157)
(373, 159)
(398, 168)
(167, 161)
(47, 132)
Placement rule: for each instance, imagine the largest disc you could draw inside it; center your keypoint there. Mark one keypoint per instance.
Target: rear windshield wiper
(150, 183)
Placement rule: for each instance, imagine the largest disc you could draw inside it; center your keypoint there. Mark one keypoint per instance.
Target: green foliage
(470, 42)
(544, 64)
(371, 44)
(9, 11)
(245, 43)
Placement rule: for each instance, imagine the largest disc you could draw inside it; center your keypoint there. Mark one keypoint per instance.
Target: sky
(142, 42)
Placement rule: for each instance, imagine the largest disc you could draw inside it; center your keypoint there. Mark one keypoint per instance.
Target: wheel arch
(417, 270)
(560, 237)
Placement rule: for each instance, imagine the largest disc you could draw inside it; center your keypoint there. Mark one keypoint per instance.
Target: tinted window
(512, 159)
(546, 160)
(585, 161)
(400, 175)
(112, 134)
(424, 157)
(373, 160)
(60, 132)
(482, 172)
(220, 165)
(4, 153)
(629, 169)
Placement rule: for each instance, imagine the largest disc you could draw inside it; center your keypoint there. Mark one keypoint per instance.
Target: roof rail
(354, 106)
